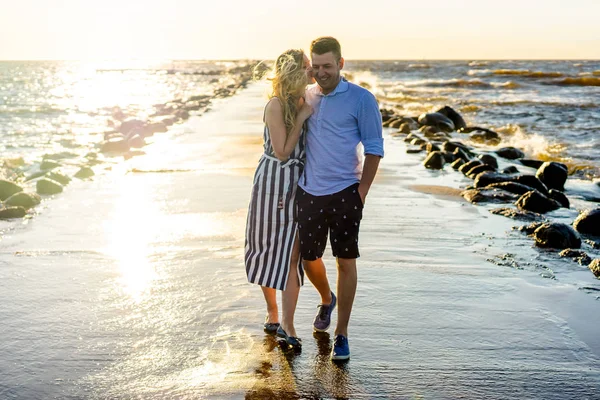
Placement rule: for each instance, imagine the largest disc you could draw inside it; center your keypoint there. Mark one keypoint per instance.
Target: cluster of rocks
(531, 195)
(22, 186)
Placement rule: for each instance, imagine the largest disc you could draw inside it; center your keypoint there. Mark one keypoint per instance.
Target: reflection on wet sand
(282, 374)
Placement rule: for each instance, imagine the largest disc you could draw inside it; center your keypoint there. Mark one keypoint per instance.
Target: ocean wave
(478, 63)
(459, 83)
(576, 81)
(506, 85)
(527, 73)
(419, 66)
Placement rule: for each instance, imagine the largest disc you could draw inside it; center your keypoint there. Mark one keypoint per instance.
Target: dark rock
(414, 150)
(457, 163)
(455, 117)
(115, 146)
(387, 121)
(405, 128)
(532, 182)
(557, 236)
(7, 189)
(48, 186)
(486, 178)
(476, 170)
(417, 141)
(438, 120)
(84, 173)
(431, 147)
(466, 167)
(409, 138)
(588, 222)
(451, 146)
(595, 267)
(553, 175)
(517, 214)
(593, 243)
(449, 157)
(536, 202)
(12, 212)
(489, 160)
(529, 229)
(560, 197)
(489, 137)
(59, 177)
(510, 170)
(434, 160)
(22, 199)
(460, 153)
(47, 165)
(512, 187)
(488, 196)
(510, 153)
(131, 124)
(35, 175)
(136, 142)
(580, 256)
(528, 162)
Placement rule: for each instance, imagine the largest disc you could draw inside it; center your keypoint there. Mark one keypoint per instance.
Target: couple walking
(310, 184)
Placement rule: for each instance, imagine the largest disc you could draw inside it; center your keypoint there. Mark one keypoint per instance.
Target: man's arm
(369, 171)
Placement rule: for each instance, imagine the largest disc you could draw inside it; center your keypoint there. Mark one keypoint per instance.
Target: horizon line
(266, 59)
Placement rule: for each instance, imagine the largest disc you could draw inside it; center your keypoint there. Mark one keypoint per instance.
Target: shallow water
(132, 285)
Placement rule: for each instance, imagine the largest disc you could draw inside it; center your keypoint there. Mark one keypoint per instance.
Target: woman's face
(308, 68)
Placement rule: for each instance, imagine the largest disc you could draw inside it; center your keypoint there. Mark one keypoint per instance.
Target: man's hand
(362, 191)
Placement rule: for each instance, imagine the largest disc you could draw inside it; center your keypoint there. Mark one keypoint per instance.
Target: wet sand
(133, 286)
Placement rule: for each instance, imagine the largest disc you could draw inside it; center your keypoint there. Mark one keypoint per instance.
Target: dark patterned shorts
(339, 213)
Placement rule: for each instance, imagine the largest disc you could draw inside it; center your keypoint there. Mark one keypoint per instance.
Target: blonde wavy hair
(288, 81)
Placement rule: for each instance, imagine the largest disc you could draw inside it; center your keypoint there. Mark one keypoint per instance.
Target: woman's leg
(271, 299)
(289, 297)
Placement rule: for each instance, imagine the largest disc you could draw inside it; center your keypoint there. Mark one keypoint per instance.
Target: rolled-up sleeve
(369, 124)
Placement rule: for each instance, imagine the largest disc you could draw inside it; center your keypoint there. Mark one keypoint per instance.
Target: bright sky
(261, 29)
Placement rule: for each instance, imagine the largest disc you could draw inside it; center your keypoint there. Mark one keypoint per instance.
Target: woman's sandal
(291, 341)
(270, 327)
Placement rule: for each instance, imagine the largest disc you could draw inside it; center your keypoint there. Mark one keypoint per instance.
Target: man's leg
(316, 273)
(346, 290)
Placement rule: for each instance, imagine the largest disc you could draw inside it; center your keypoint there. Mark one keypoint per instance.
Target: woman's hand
(305, 111)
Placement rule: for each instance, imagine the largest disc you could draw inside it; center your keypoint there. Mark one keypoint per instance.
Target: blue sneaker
(341, 349)
(323, 317)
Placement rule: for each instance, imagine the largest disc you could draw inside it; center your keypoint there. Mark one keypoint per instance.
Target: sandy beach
(132, 285)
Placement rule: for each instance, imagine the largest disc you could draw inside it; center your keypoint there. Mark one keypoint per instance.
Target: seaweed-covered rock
(48, 186)
(588, 222)
(595, 267)
(84, 173)
(519, 215)
(557, 235)
(553, 175)
(536, 202)
(8, 188)
(488, 196)
(23, 199)
(529, 229)
(510, 153)
(434, 160)
(12, 212)
(580, 256)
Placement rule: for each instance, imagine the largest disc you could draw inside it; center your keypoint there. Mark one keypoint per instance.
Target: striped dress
(271, 225)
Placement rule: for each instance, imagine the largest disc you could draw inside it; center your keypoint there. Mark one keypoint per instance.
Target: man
(334, 185)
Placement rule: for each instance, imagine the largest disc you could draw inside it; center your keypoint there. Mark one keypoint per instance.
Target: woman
(272, 252)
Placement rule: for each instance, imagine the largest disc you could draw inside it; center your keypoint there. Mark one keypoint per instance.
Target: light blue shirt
(341, 121)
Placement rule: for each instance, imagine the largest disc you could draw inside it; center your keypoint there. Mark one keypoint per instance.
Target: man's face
(326, 70)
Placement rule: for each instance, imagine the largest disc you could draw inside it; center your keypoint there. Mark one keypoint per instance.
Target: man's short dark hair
(326, 44)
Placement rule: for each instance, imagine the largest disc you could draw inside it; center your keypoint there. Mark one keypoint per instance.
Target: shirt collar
(341, 87)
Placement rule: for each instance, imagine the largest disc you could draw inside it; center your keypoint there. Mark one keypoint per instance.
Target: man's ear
(341, 62)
